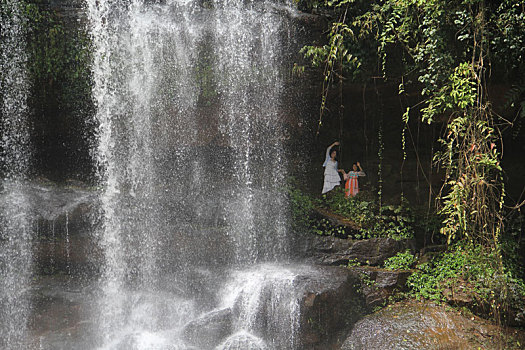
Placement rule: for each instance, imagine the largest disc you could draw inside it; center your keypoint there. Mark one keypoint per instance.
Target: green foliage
(465, 267)
(367, 280)
(353, 262)
(58, 53)
(324, 228)
(507, 39)
(474, 193)
(59, 73)
(441, 49)
(301, 205)
(459, 94)
(400, 261)
(394, 221)
(356, 208)
(335, 52)
(396, 225)
(60, 62)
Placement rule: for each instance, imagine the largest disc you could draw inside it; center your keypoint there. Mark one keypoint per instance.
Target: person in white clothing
(331, 174)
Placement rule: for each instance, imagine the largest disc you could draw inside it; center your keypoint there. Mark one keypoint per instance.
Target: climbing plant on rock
(448, 51)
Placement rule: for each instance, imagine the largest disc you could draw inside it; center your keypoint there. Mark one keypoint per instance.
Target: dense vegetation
(450, 54)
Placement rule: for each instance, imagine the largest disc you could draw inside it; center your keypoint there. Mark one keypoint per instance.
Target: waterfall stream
(190, 151)
(181, 242)
(15, 226)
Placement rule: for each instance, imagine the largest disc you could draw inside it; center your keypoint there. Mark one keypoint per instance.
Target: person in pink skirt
(351, 179)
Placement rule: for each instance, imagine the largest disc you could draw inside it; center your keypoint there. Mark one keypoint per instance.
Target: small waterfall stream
(15, 225)
(267, 303)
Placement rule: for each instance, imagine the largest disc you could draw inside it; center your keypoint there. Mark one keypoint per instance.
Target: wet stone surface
(329, 250)
(206, 330)
(414, 325)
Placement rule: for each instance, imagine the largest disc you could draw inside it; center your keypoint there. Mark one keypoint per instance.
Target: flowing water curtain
(111, 113)
(150, 90)
(245, 42)
(15, 224)
(136, 49)
(144, 92)
(248, 43)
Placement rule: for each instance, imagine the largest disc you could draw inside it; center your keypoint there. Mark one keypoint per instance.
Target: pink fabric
(351, 184)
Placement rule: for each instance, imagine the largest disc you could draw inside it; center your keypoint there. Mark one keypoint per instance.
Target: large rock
(424, 326)
(329, 250)
(330, 306)
(378, 285)
(210, 329)
(311, 307)
(333, 304)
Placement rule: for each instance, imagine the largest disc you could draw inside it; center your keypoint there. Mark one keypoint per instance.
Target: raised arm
(327, 157)
(361, 172)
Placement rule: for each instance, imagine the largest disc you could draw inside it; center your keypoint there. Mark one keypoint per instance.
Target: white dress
(331, 176)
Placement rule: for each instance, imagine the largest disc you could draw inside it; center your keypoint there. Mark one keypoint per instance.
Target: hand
(336, 143)
(358, 164)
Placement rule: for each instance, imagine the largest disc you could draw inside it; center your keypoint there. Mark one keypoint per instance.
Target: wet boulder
(210, 329)
(378, 285)
(331, 304)
(422, 326)
(329, 250)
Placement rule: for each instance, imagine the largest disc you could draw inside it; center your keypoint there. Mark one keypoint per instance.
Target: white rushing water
(190, 152)
(15, 226)
(267, 301)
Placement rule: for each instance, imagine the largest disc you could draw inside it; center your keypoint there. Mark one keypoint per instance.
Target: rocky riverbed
(337, 307)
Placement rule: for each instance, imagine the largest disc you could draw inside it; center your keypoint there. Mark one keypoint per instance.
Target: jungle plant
(301, 206)
(446, 47)
(449, 52)
(469, 269)
(394, 221)
(400, 261)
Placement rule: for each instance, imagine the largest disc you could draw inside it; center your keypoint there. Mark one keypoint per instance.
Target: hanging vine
(335, 58)
(448, 51)
(447, 46)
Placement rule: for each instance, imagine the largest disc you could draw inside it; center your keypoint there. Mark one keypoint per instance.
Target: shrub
(470, 266)
(400, 261)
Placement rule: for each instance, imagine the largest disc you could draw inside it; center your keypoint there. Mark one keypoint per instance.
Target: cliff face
(63, 112)
(62, 109)
(366, 118)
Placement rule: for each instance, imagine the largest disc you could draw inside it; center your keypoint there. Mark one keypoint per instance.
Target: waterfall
(15, 226)
(189, 150)
(268, 303)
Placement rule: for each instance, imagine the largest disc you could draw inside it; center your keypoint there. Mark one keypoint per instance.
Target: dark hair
(333, 149)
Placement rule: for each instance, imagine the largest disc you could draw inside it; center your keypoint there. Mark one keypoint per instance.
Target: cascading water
(15, 226)
(184, 244)
(190, 152)
(270, 288)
